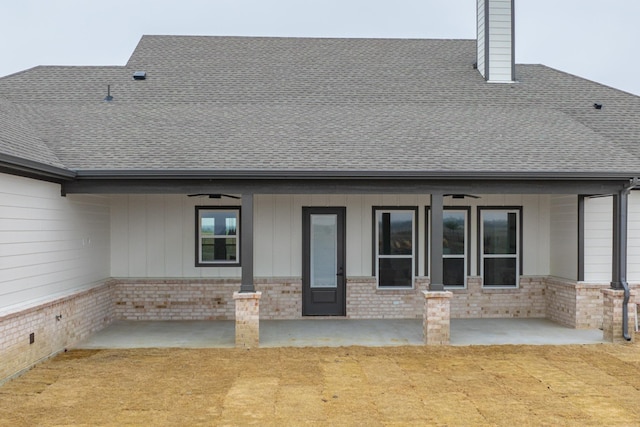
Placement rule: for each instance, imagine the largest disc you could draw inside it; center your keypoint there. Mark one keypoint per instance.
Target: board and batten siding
(564, 236)
(633, 242)
(49, 244)
(154, 235)
(598, 238)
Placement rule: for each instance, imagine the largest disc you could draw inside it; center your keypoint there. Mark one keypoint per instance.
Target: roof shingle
(245, 103)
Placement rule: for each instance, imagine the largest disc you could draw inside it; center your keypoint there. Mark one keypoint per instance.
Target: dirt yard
(595, 385)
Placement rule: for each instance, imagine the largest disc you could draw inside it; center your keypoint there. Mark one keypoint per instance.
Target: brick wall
(203, 299)
(477, 302)
(56, 324)
(613, 315)
(575, 304)
(366, 301)
(281, 298)
(212, 299)
(175, 299)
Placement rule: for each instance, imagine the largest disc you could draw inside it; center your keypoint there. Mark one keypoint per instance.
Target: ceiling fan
(461, 196)
(213, 196)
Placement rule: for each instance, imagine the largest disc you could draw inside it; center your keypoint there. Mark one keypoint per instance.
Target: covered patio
(335, 333)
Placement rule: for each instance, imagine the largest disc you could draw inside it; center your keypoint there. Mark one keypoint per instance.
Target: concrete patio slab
(335, 333)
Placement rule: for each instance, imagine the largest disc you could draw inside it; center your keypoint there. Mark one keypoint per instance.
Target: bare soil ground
(594, 385)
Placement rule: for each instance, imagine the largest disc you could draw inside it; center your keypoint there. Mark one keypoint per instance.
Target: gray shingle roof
(20, 139)
(264, 104)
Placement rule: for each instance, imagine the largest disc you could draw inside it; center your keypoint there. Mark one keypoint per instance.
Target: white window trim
(516, 256)
(378, 212)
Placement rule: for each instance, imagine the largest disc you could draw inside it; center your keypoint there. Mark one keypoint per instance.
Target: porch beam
(436, 235)
(337, 186)
(246, 243)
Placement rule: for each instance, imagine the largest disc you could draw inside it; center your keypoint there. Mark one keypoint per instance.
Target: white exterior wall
(481, 37)
(633, 238)
(564, 236)
(598, 238)
(49, 244)
(154, 235)
(499, 33)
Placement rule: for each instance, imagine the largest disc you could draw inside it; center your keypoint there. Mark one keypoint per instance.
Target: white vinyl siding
(277, 233)
(564, 236)
(49, 244)
(535, 225)
(496, 35)
(161, 243)
(598, 238)
(481, 37)
(633, 243)
(153, 236)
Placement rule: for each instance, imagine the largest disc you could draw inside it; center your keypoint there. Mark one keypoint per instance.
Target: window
(455, 238)
(454, 248)
(217, 231)
(500, 246)
(395, 241)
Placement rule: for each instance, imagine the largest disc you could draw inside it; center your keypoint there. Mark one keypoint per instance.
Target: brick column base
(247, 319)
(612, 315)
(436, 318)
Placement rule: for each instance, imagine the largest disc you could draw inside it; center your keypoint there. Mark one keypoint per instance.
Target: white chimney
(496, 47)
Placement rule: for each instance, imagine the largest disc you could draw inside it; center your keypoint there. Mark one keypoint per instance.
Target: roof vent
(108, 97)
(597, 106)
(140, 75)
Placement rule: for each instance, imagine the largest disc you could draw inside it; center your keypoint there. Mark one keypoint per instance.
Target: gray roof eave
(23, 167)
(174, 174)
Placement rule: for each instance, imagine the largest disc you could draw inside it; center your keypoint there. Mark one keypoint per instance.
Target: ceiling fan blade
(461, 196)
(213, 196)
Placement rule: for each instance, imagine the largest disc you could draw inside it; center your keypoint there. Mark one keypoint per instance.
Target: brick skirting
(55, 324)
(474, 302)
(570, 303)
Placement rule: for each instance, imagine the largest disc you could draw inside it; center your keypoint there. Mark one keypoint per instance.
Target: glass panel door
(324, 251)
(323, 261)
